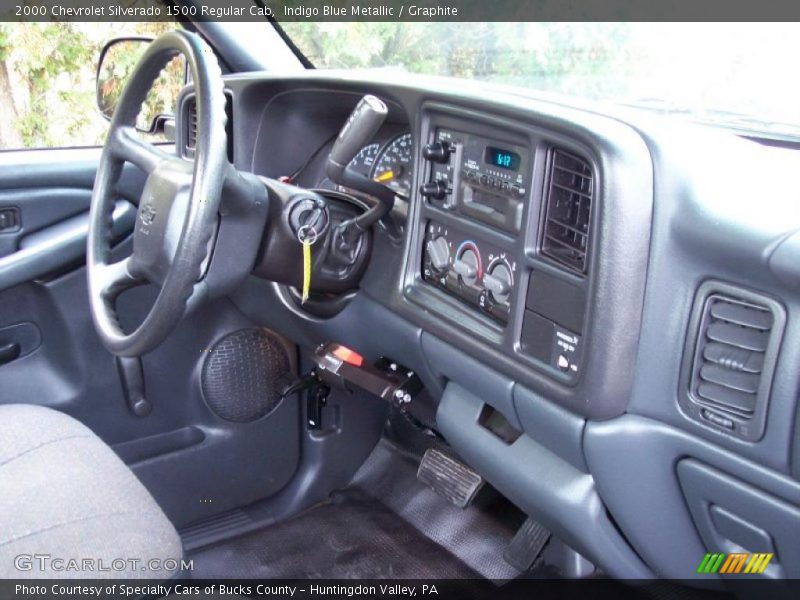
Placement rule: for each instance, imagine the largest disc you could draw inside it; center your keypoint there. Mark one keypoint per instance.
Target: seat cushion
(67, 496)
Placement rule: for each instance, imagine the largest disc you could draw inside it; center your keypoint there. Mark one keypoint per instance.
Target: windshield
(732, 74)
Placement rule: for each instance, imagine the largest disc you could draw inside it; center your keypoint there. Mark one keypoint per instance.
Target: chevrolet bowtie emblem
(147, 214)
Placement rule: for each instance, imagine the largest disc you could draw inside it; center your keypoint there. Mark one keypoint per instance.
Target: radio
(479, 177)
(476, 272)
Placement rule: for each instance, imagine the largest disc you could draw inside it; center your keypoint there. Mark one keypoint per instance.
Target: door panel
(57, 245)
(194, 462)
(45, 197)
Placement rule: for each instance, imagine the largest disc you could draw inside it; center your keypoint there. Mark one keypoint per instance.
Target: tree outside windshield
(47, 82)
(735, 74)
(738, 74)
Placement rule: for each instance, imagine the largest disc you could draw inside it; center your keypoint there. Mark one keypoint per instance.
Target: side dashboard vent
(568, 210)
(191, 128)
(735, 350)
(190, 123)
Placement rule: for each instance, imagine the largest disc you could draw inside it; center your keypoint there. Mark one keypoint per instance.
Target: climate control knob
(467, 266)
(438, 253)
(498, 282)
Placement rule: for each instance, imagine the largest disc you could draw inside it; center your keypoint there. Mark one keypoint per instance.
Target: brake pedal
(527, 545)
(449, 478)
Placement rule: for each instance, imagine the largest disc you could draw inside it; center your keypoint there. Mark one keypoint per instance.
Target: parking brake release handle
(131, 376)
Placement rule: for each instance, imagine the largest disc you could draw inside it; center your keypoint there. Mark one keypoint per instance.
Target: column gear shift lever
(359, 129)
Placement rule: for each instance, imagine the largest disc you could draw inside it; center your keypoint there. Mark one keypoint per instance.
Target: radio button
(434, 189)
(438, 152)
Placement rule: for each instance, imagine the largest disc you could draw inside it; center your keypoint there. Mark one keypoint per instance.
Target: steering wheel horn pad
(159, 220)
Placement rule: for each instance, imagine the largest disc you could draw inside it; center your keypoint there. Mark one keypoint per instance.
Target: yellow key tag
(306, 269)
(306, 235)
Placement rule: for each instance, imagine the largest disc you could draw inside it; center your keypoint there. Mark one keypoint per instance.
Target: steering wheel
(178, 210)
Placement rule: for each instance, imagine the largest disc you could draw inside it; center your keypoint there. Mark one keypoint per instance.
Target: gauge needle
(385, 176)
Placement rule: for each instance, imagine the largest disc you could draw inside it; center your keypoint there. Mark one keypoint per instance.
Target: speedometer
(362, 163)
(365, 159)
(393, 166)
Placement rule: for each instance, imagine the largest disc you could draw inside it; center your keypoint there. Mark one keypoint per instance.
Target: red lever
(349, 356)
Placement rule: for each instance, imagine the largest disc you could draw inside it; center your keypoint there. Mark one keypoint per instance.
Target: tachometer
(393, 167)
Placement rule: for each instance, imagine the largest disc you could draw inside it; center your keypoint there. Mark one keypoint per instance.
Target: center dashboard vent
(568, 210)
(735, 350)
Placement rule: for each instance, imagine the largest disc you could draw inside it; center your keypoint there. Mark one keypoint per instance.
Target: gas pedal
(527, 545)
(451, 479)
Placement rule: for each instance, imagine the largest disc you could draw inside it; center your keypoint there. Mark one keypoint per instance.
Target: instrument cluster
(390, 162)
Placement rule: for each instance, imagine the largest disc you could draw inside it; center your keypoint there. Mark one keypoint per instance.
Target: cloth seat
(66, 496)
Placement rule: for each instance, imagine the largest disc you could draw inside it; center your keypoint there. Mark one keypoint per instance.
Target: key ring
(311, 239)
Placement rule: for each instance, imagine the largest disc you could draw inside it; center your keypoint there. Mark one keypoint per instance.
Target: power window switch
(9, 219)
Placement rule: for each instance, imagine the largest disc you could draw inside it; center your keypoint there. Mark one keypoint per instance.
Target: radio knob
(438, 152)
(438, 253)
(498, 282)
(467, 266)
(434, 189)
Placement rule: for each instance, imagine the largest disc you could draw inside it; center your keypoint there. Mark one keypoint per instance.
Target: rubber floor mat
(352, 536)
(477, 535)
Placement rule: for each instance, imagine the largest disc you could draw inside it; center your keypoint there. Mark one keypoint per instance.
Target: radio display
(505, 159)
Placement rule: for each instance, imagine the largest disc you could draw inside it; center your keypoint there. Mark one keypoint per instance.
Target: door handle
(9, 352)
(57, 246)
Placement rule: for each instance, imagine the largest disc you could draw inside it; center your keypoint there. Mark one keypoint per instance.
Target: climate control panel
(474, 271)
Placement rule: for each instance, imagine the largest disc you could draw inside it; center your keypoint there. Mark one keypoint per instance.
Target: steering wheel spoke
(115, 278)
(129, 147)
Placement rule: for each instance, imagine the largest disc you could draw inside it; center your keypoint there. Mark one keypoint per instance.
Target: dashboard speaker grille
(244, 374)
(568, 207)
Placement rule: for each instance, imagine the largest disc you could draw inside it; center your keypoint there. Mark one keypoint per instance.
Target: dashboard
(494, 249)
(582, 278)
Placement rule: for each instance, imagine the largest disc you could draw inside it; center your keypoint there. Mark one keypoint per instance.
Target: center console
(482, 209)
(513, 256)
(482, 180)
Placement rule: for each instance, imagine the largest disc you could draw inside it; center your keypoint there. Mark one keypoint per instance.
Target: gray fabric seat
(66, 495)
